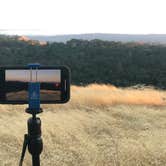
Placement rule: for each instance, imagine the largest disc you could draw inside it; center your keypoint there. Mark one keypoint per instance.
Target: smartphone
(54, 84)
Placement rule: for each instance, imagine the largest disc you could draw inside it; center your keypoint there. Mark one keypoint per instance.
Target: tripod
(33, 139)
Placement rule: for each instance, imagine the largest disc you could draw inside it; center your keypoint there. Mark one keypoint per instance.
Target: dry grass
(109, 95)
(101, 126)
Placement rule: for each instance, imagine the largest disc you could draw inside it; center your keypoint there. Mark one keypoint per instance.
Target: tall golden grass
(95, 94)
(101, 126)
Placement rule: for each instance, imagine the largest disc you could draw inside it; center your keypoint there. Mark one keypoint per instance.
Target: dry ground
(101, 126)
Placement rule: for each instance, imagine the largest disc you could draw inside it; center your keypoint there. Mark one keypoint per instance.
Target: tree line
(95, 61)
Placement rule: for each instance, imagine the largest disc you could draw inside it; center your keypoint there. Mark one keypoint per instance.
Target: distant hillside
(95, 61)
(150, 38)
(32, 41)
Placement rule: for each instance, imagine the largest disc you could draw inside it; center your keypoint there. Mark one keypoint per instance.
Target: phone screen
(16, 83)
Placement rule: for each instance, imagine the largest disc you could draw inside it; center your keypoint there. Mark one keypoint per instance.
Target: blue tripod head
(34, 90)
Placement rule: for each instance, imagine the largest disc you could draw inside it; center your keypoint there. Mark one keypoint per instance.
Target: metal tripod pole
(35, 143)
(35, 160)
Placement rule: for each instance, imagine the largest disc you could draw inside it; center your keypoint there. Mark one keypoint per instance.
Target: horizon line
(67, 34)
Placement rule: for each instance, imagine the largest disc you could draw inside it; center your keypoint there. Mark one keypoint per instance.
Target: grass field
(101, 126)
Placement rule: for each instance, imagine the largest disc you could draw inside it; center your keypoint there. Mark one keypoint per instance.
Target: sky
(57, 17)
(42, 75)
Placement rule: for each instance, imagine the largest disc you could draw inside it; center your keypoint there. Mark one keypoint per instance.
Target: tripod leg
(25, 143)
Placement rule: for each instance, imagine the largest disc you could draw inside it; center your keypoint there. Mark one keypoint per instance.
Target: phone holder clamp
(34, 90)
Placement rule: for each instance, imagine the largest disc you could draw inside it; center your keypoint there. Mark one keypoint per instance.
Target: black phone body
(54, 84)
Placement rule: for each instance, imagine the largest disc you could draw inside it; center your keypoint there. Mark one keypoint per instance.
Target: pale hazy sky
(42, 75)
(51, 17)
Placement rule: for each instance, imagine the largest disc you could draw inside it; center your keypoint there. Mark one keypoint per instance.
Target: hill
(149, 38)
(95, 61)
